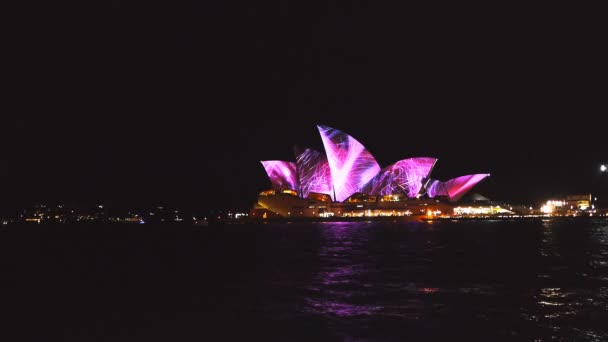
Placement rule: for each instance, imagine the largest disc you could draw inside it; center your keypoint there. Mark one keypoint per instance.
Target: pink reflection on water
(342, 309)
(428, 289)
(340, 283)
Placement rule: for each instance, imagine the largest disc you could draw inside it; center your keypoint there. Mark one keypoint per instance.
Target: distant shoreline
(415, 219)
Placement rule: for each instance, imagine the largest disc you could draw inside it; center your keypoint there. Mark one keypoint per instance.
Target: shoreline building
(571, 205)
(347, 182)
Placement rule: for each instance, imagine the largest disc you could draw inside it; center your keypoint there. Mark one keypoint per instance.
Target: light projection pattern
(455, 188)
(351, 165)
(282, 174)
(404, 176)
(459, 186)
(313, 172)
(436, 188)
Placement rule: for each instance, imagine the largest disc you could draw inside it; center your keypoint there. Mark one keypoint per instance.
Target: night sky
(135, 104)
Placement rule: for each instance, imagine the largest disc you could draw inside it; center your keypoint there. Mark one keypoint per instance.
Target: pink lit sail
(459, 186)
(282, 174)
(351, 165)
(404, 176)
(313, 172)
(347, 168)
(436, 188)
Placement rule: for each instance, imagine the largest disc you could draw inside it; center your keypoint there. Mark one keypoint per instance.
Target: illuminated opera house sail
(347, 180)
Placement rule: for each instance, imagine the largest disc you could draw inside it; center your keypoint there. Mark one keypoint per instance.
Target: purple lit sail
(457, 187)
(282, 174)
(404, 176)
(347, 168)
(351, 165)
(313, 172)
(436, 188)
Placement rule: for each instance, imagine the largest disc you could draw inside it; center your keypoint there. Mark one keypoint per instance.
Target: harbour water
(535, 280)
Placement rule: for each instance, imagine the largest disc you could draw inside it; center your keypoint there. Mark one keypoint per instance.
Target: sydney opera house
(347, 181)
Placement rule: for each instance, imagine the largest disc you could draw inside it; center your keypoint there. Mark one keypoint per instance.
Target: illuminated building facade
(572, 205)
(347, 181)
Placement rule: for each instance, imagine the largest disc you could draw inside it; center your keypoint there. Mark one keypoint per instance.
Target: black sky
(141, 103)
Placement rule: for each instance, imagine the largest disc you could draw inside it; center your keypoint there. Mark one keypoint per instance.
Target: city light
(603, 168)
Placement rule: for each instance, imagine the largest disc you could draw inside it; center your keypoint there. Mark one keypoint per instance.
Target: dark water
(480, 281)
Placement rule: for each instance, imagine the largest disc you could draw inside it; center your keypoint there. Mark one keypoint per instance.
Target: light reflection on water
(531, 281)
(339, 278)
(357, 281)
(573, 302)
